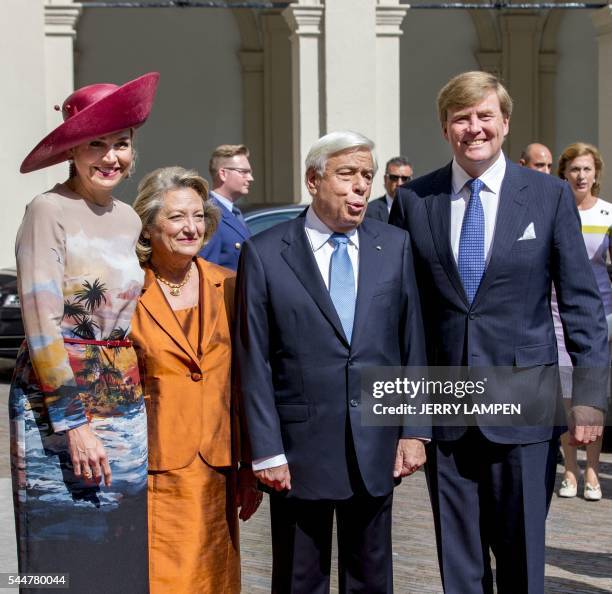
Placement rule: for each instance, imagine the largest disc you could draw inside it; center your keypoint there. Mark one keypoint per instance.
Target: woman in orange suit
(181, 331)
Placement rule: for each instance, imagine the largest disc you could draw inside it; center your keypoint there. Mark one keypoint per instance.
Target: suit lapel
(438, 210)
(233, 221)
(370, 264)
(512, 200)
(211, 302)
(155, 302)
(298, 255)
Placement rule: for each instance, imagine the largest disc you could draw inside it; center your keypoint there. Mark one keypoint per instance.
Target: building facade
(277, 75)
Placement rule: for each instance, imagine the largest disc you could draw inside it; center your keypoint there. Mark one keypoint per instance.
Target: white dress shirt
(492, 179)
(389, 201)
(226, 202)
(319, 238)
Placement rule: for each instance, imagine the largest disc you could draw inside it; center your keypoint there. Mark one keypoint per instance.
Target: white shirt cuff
(269, 462)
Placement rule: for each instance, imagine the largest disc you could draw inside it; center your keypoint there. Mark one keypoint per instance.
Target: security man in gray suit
(397, 172)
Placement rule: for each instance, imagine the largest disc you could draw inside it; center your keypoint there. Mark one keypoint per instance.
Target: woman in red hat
(78, 422)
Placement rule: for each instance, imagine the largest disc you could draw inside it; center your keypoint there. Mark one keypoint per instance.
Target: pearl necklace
(175, 288)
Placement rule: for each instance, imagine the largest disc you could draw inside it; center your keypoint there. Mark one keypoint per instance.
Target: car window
(260, 222)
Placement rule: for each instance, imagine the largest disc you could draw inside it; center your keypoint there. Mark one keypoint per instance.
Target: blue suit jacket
(300, 376)
(224, 246)
(377, 209)
(509, 322)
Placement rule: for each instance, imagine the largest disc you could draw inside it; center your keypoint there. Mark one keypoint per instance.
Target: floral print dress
(79, 278)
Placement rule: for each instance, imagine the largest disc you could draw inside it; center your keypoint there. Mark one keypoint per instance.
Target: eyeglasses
(405, 178)
(240, 170)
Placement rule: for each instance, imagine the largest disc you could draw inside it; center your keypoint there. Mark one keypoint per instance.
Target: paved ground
(579, 538)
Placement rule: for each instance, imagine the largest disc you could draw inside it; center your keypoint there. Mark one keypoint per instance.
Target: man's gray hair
(337, 142)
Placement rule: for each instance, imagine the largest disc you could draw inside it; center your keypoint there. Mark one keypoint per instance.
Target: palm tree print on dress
(107, 389)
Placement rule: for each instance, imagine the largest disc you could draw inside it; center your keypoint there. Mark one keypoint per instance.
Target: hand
(249, 496)
(277, 477)
(88, 455)
(409, 458)
(585, 425)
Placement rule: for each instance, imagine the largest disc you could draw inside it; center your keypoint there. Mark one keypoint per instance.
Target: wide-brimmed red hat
(93, 111)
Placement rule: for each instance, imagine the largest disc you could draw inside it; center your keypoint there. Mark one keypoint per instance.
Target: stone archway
(265, 58)
(521, 48)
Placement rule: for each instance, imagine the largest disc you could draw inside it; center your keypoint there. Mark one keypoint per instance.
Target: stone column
(521, 35)
(277, 108)
(253, 100)
(547, 132)
(304, 18)
(350, 66)
(602, 19)
(61, 17)
(22, 112)
(389, 17)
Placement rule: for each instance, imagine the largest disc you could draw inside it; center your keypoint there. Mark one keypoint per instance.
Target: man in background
(231, 176)
(398, 171)
(537, 156)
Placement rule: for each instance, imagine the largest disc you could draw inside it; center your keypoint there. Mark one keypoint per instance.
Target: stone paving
(579, 537)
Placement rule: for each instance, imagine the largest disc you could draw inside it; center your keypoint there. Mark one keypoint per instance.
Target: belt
(109, 344)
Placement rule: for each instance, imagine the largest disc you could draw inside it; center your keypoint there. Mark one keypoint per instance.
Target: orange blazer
(189, 399)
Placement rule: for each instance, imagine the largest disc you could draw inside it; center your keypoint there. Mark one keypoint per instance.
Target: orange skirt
(193, 531)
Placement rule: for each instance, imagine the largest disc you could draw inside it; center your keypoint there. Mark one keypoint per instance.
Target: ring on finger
(87, 474)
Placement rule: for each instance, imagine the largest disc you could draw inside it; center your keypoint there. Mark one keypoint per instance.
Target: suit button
(354, 402)
(473, 316)
(237, 245)
(196, 377)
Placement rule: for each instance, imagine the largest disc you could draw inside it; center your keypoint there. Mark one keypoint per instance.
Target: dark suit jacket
(301, 378)
(377, 209)
(509, 322)
(224, 246)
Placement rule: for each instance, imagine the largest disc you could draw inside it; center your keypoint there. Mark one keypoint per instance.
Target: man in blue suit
(318, 299)
(397, 171)
(489, 239)
(231, 176)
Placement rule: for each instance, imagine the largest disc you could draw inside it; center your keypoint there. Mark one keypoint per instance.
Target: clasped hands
(585, 425)
(409, 457)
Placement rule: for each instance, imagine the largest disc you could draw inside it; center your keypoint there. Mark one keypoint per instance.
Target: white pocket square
(529, 233)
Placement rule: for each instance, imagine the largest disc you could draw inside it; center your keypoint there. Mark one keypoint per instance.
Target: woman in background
(581, 165)
(78, 421)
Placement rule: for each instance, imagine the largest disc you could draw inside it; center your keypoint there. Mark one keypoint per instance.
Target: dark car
(11, 326)
(259, 218)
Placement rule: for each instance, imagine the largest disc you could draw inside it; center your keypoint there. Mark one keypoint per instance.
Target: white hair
(337, 142)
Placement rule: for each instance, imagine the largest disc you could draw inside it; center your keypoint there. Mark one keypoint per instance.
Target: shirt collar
(492, 178)
(389, 200)
(319, 233)
(223, 200)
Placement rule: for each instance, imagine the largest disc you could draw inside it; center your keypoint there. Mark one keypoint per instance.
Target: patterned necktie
(471, 260)
(342, 283)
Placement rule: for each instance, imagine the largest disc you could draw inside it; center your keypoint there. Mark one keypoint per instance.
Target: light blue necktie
(342, 283)
(471, 260)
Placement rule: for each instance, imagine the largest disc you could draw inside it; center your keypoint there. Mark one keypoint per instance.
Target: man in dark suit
(231, 176)
(397, 171)
(489, 239)
(318, 299)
